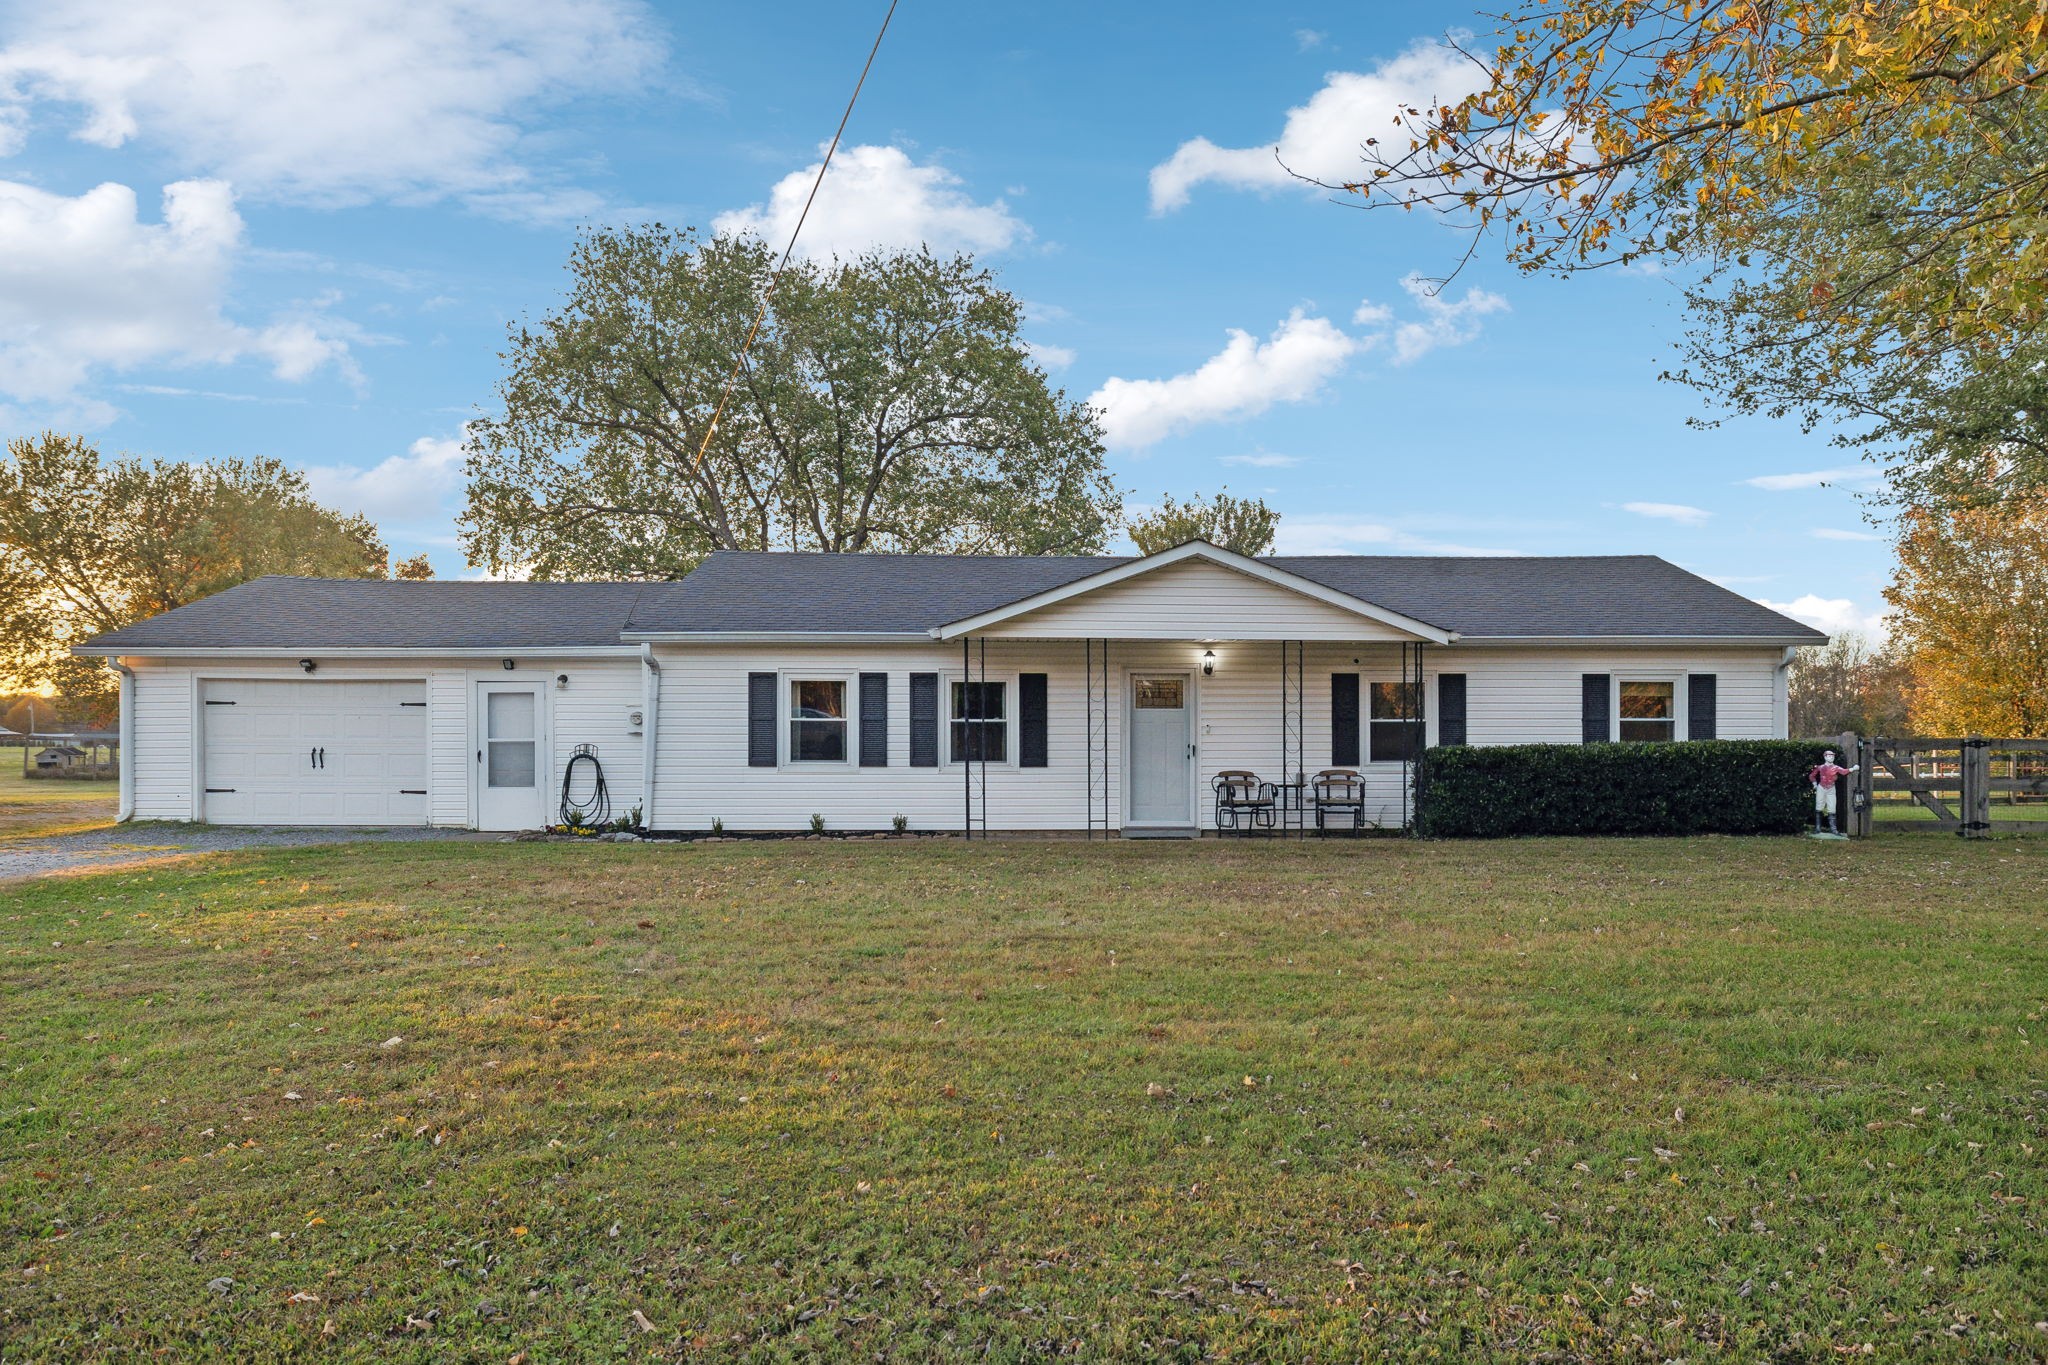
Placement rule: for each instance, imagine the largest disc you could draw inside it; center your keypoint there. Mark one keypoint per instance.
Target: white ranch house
(986, 693)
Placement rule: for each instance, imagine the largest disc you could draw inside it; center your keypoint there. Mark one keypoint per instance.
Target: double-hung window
(1649, 711)
(817, 720)
(1395, 722)
(981, 726)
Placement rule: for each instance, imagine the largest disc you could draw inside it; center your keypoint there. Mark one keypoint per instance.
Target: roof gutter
(776, 637)
(355, 651)
(1640, 641)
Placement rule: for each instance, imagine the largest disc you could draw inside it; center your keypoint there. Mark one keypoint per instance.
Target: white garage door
(290, 752)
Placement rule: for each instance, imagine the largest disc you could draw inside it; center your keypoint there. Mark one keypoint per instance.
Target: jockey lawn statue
(1823, 775)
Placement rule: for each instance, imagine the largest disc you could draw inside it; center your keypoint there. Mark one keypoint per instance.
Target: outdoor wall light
(1208, 663)
(510, 664)
(561, 681)
(307, 665)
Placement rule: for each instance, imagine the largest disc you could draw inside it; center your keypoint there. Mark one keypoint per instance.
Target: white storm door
(1162, 759)
(511, 757)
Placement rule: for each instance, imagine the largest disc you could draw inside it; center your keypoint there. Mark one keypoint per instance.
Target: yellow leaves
(520, 1231)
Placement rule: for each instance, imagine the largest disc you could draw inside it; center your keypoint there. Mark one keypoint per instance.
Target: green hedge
(1723, 786)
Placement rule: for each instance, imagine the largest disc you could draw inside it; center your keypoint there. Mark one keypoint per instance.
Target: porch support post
(945, 742)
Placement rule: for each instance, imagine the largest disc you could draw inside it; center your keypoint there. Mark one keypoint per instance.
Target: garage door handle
(323, 758)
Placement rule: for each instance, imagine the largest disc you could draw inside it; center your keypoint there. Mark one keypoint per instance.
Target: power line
(774, 279)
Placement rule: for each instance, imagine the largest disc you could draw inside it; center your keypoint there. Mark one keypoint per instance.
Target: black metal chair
(1243, 802)
(1338, 793)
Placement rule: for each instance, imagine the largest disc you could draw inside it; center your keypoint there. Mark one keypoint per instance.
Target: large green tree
(1245, 525)
(887, 404)
(1859, 189)
(89, 544)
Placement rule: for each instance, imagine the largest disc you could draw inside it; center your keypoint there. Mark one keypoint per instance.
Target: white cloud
(877, 197)
(1243, 379)
(1306, 38)
(1262, 460)
(1854, 477)
(1049, 356)
(85, 285)
(1351, 535)
(1322, 138)
(1444, 322)
(327, 104)
(1669, 511)
(408, 489)
(1831, 533)
(1833, 615)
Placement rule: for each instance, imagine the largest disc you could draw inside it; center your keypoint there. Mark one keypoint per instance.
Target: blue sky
(226, 229)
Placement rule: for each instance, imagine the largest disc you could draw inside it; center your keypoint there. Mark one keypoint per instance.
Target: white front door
(1162, 752)
(291, 751)
(511, 754)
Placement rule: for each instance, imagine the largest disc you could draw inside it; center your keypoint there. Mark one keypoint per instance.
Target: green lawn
(1888, 810)
(1700, 1099)
(33, 807)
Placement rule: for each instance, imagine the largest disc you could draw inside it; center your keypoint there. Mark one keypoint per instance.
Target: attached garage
(300, 752)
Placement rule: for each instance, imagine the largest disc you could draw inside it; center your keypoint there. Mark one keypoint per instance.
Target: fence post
(1976, 773)
(1863, 788)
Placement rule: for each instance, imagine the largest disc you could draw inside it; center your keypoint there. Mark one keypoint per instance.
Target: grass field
(1695, 1099)
(32, 807)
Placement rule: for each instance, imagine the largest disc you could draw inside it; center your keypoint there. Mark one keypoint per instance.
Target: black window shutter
(1700, 689)
(1343, 720)
(1595, 716)
(1450, 708)
(760, 720)
(1031, 745)
(924, 720)
(874, 720)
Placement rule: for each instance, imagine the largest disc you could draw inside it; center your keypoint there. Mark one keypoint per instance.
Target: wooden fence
(1951, 779)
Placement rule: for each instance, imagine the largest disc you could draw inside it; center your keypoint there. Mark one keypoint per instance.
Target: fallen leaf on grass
(640, 1321)
(303, 1297)
(393, 1041)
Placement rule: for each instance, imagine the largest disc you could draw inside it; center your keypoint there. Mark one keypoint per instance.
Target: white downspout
(650, 701)
(1781, 694)
(125, 806)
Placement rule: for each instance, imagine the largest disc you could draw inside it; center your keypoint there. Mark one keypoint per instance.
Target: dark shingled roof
(373, 613)
(737, 590)
(1566, 595)
(763, 592)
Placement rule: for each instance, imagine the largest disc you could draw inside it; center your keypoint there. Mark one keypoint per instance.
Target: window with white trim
(1394, 722)
(1648, 711)
(980, 722)
(817, 720)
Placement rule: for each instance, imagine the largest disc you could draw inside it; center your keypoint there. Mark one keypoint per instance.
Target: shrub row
(1741, 786)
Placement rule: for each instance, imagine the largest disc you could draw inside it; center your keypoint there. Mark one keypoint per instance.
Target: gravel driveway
(120, 845)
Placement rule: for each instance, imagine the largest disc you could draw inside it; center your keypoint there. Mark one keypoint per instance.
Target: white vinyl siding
(1514, 695)
(593, 709)
(1194, 600)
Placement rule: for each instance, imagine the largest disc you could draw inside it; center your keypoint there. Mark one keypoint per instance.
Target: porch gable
(1195, 591)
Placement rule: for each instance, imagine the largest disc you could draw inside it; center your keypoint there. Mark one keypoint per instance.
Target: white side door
(1162, 757)
(511, 756)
